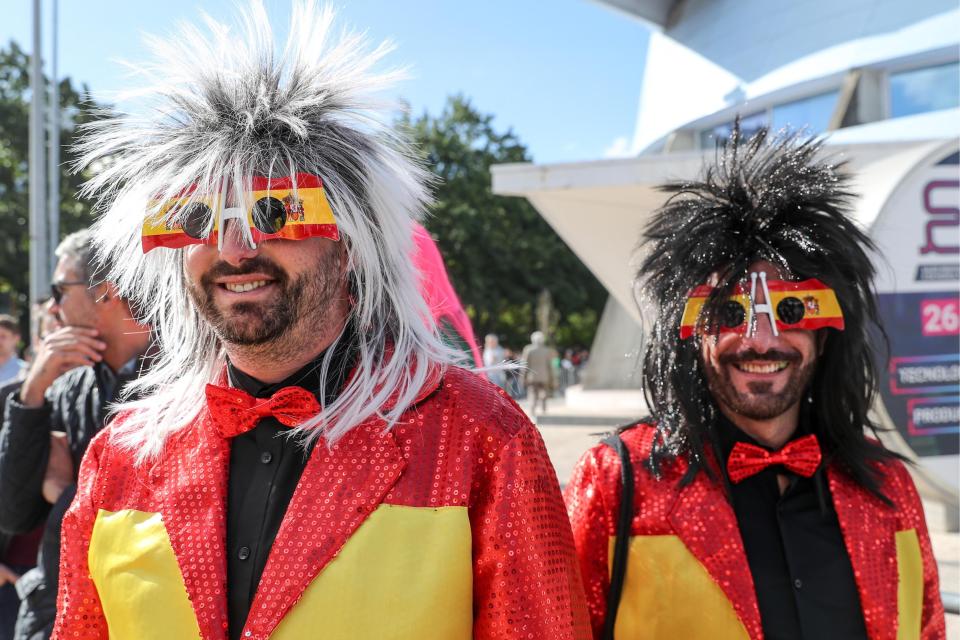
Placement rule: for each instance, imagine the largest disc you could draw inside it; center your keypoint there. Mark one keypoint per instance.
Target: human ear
(110, 292)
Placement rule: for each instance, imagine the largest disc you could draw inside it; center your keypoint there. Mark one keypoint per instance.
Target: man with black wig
(757, 503)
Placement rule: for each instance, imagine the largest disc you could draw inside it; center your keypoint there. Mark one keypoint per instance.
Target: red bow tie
(802, 456)
(235, 411)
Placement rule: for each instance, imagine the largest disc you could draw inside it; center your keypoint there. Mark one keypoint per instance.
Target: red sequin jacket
(687, 572)
(450, 525)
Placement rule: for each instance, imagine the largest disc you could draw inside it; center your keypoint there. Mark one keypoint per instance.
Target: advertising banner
(918, 233)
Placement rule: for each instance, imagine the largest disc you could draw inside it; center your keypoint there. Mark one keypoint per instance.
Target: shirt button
(243, 553)
(266, 457)
(798, 583)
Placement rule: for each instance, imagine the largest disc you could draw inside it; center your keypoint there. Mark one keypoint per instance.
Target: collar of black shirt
(135, 367)
(307, 376)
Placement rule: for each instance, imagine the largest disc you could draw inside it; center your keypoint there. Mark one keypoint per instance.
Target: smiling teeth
(766, 367)
(242, 287)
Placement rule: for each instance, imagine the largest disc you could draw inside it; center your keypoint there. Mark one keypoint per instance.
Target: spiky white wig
(223, 105)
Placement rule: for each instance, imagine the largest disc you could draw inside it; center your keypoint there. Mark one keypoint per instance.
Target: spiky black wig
(769, 198)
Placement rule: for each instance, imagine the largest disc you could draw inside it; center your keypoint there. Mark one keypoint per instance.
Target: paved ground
(566, 442)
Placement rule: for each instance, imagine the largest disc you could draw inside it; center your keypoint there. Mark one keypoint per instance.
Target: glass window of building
(926, 89)
(810, 114)
(749, 125)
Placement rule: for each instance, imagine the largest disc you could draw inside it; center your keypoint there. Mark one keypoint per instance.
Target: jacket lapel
(194, 513)
(868, 526)
(702, 517)
(339, 489)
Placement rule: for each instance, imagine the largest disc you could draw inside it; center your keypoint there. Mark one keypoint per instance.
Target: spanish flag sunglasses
(279, 208)
(809, 304)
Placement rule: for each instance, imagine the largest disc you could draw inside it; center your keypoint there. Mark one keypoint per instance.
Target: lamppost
(39, 236)
(53, 158)
(44, 171)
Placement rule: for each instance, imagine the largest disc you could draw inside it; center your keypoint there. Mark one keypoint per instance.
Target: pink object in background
(443, 301)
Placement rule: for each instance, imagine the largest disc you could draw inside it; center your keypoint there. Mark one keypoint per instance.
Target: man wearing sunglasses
(308, 461)
(78, 370)
(752, 503)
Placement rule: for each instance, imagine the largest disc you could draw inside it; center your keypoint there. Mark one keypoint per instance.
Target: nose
(235, 248)
(762, 338)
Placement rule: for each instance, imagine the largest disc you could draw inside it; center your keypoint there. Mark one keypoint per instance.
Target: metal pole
(39, 263)
(53, 165)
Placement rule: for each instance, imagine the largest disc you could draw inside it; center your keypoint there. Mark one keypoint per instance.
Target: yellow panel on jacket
(390, 580)
(407, 569)
(909, 585)
(660, 569)
(137, 576)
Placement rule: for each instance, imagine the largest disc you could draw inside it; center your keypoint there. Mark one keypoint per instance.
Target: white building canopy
(599, 208)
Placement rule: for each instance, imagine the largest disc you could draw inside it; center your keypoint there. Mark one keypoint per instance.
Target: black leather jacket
(77, 403)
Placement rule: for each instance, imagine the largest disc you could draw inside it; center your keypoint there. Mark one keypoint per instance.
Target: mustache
(752, 355)
(257, 264)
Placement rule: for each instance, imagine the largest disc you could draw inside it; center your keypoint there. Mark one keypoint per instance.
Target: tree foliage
(14, 170)
(500, 253)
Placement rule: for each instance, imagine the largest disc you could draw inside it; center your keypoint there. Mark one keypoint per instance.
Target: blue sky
(565, 75)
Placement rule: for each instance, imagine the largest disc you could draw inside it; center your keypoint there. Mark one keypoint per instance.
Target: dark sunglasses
(799, 305)
(56, 288)
(283, 208)
(269, 217)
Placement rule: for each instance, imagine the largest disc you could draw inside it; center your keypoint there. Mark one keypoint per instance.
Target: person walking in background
(50, 418)
(539, 377)
(493, 355)
(11, 367)
(514, 376)
(580, 360)
(307, 460)
(752, 504)
(568, 372)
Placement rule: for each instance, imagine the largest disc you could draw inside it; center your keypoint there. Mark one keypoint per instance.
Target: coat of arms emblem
(294, 207)
(811, 304)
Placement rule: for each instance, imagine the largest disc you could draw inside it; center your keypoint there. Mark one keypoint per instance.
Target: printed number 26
(940, 317)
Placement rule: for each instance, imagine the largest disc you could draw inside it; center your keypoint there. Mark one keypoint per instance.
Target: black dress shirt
(265, 467)
(801, 570)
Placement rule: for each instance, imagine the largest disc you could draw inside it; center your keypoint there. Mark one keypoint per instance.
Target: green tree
(499, 252)
(75, 109)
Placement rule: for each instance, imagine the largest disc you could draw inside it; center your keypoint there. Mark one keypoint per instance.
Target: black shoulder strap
(619, 569)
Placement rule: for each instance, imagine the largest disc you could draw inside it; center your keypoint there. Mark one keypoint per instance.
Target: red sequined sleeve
(933, 623)
(79, 614)
(591, 522)
(526, 583)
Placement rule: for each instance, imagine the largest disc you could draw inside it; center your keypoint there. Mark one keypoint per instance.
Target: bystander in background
(540, 379)
(11, 367)
(18, 553)
(50, 418)
(494, 354)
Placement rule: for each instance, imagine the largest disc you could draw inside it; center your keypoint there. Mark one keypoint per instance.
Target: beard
(760, 402)
(303, 301)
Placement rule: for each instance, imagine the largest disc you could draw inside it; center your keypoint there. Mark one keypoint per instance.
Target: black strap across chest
(621, 546)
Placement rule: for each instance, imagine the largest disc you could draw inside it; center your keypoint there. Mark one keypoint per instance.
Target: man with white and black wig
(754, 502)
(305, 459)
